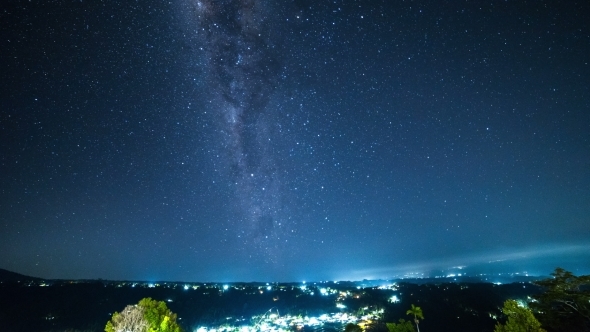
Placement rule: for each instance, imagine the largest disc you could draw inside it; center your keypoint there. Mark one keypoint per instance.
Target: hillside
(6, 275)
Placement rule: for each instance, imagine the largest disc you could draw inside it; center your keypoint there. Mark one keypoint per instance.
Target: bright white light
(394, 299)
(185, 287)
(323, 291)
(303, 287)
(268, 288)
(340, 306)
(275, 323)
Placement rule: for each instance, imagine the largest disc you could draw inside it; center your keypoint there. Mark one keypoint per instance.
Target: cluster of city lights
(273, 322)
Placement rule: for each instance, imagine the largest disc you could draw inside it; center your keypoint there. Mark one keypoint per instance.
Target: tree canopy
(565, 303)
(402, 326)
(131, 319)
(146, 316)
(520, 319)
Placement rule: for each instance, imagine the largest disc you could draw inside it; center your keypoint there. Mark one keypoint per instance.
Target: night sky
(247, 140)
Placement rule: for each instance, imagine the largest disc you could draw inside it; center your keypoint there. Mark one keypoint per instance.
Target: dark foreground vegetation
(560, 303)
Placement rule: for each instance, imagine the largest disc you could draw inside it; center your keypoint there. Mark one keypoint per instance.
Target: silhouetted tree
(565, 304)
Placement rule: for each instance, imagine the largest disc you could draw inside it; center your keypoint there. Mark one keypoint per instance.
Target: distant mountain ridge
(9, 276)
(6, 275)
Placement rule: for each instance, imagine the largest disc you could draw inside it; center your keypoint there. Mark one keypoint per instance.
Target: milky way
(225, 140)
(243, 65)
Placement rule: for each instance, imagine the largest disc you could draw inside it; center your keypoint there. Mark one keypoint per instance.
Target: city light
(273, 322)
(394, 299)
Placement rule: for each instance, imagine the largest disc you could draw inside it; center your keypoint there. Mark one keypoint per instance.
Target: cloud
(541, 258)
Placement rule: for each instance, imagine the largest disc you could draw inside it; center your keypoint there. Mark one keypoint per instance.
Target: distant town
(266, 306)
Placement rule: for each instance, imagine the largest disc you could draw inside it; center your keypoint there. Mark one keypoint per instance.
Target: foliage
(159, 317)
(565, 304)
(131, 319)
(417, 313)
(351, 327)
(402, 326)
(520, 319)
(147, 316)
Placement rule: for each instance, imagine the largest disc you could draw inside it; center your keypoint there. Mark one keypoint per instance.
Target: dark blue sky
(245, 140)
